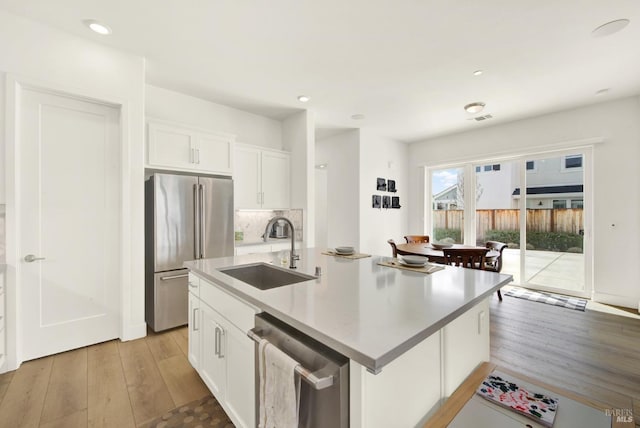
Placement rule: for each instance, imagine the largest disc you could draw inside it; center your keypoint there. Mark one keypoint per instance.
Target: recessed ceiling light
(303, 98)
(610, 28)
(474, 108)
(602, 91)
(477, 72)
(97, 27)
(357, 116)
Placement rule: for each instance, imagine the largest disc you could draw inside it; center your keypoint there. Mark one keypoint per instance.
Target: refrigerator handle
(202, 222)
(196, 223)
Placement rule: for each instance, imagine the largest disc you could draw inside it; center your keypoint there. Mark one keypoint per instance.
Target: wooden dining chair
(417, 239)
(495, 265)
(471, 258)
(396, 251)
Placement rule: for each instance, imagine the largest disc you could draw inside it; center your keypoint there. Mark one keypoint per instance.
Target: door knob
(30, 258)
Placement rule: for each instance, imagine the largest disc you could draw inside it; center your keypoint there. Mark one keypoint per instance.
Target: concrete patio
(547, 268)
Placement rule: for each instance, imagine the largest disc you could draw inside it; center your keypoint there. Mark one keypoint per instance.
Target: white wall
(249, 128)
(341, 153)
(42, 54)
(384, 158)
(615, 172)
(321, 209)
(497, 187)
(298, 137)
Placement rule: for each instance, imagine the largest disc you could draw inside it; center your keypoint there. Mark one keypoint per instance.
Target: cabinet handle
(198, 156)
(192, 285)
(194, 321)
(192, 155)
(221, 347)
(216, 342)
(262, 198)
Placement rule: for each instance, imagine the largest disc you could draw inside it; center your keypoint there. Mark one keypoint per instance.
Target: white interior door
(68, 206)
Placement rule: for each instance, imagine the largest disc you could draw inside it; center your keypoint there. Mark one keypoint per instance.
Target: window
(577, 203)
(477, 169)
(531, 165)
(488, 167)
(496, 167)
(559, 203)
(573, 161)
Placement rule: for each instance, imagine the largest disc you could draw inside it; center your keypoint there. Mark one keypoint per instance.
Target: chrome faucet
(292, 257)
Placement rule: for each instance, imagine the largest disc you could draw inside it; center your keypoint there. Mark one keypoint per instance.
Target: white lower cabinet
(213, 364)
(195, 325)
(226, 357)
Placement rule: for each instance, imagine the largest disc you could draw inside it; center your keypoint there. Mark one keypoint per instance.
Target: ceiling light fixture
(477, 72)
(474, 108)
(304, 98)
(610, 28)
(97, 27)
(357, 116)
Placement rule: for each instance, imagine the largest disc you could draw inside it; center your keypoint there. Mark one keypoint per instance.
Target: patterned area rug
(202, 413)
(549, 298)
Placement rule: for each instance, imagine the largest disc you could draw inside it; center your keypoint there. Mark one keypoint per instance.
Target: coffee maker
(280, 230)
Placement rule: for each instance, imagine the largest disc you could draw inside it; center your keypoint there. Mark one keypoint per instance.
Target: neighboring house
(446, 199)
(551, 183)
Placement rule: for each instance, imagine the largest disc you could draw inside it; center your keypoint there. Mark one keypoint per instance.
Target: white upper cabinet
(261, 178)
(181, 148)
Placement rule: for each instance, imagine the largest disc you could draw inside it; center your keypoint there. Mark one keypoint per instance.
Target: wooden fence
(567, 220)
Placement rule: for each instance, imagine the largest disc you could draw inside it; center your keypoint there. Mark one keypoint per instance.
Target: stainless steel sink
(265, 276)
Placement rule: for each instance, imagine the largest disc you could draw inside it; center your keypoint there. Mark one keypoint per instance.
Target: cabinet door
(170, 146)
(240, 393)
(275, 180)
(246, 178)
(465, 345)
(214, 153)
(195, 323)
(212, 362)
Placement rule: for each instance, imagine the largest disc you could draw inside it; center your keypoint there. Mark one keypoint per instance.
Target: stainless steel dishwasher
(324, 386)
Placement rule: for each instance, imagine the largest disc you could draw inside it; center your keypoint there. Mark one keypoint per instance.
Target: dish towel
(279, 388)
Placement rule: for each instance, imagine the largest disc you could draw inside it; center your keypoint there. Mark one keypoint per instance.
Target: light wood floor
(116, 384)
(592, 353)
(113, 384)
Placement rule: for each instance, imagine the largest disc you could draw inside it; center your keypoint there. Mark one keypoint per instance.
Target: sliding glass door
(554, 256)
(538, 205)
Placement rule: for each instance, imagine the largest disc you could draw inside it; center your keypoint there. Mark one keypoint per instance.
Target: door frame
(14, 85)
(544, 151)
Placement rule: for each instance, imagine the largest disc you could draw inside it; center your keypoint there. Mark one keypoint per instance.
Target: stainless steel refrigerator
(186, 218)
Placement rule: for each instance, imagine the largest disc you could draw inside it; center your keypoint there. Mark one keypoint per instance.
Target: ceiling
(406, 65)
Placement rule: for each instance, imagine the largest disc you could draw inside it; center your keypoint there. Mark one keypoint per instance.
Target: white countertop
(370, 313)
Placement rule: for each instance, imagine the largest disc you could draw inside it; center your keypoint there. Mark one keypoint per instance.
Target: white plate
(414, 260)
(413, 265)
(345, 250)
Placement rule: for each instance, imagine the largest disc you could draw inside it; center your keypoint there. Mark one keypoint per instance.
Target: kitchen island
(411, 338)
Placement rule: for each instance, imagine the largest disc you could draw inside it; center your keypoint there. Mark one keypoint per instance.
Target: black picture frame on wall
(386, 202)
(381, 184)
(391, 186)
(395, 202)
(376, 201)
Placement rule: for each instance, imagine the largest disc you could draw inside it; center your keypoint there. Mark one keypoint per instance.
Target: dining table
(436, 255)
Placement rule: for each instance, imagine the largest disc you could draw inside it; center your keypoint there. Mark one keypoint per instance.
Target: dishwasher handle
(316, 382)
